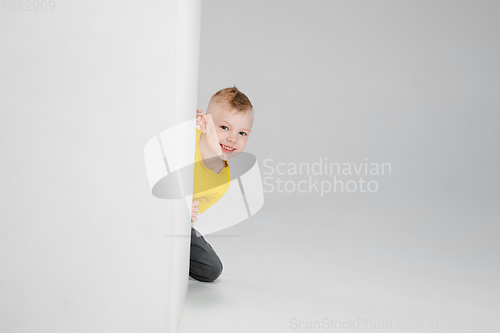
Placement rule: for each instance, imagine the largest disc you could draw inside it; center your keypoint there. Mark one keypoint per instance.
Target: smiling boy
(223, 134)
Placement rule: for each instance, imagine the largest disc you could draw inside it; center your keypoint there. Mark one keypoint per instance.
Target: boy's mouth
(227, 148)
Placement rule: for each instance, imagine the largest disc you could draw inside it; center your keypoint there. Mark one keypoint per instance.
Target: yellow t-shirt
(208, 186)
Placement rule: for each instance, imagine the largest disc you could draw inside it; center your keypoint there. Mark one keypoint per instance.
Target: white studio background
(410, 83)
(83, 87)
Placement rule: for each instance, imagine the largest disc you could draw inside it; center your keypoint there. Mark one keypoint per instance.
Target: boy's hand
(200, 119)
(207, 126)
(194, 211)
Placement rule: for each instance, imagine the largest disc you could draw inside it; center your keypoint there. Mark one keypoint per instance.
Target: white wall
(82, 241)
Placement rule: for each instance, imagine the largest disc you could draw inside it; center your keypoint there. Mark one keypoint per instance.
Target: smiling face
(233, 128)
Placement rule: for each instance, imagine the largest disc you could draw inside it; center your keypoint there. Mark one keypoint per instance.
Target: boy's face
(233, 129)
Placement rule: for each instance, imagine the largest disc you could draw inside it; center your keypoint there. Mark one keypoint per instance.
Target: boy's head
(232, 114)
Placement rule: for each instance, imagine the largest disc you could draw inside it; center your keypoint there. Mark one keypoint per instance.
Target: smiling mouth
(227, 148)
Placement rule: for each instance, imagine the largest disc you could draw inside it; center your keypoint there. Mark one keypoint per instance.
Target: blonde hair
(231, 98)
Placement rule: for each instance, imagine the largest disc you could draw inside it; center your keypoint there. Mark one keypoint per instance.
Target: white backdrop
(411, 83)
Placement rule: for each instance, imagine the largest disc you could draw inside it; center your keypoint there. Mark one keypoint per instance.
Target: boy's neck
(210, 160)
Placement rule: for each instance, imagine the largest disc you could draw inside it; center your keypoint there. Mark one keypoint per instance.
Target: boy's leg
(205, 264)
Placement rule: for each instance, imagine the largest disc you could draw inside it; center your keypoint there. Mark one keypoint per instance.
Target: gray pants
(205, 264)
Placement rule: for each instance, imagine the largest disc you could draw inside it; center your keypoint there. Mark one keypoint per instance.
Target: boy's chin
(224, 159)
(228, 156)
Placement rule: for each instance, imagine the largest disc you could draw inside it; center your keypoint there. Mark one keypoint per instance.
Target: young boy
(223, 134)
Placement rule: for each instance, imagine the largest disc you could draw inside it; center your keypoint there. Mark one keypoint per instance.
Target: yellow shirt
(208, 186)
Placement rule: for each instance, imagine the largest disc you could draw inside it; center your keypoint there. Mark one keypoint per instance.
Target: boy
(223, 134)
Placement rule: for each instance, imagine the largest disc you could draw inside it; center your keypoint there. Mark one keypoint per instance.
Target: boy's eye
(225, 127)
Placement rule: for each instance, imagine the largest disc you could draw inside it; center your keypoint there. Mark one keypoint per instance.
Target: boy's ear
(203, 123)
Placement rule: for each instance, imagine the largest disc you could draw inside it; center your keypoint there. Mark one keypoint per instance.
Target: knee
(214, 272)
(209, 273)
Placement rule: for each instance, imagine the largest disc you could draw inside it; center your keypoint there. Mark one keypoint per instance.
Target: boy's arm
(209, 201)
(196, 208)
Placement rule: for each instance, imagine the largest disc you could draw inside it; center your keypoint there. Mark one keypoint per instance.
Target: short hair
(233, 98)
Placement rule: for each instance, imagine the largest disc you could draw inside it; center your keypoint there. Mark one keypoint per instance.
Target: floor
(348, 265)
